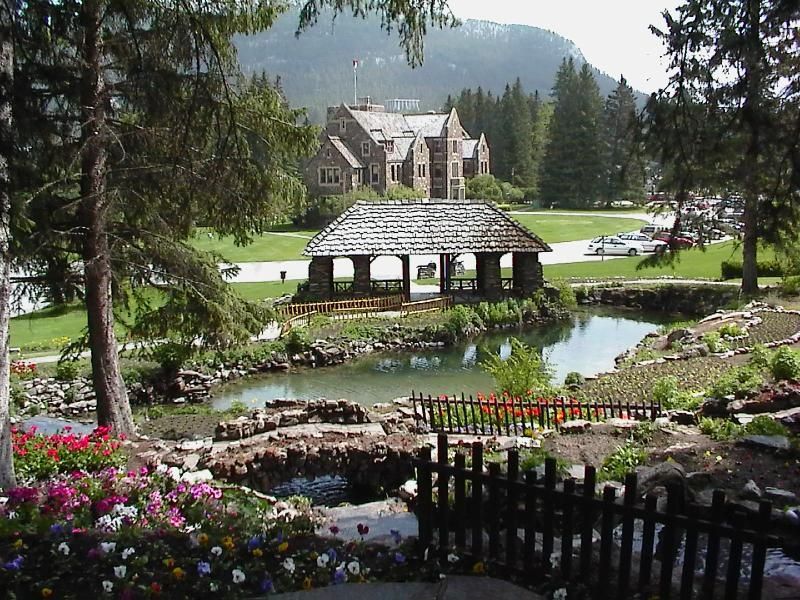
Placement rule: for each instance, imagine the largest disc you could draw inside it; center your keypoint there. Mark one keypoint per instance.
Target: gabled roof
(381, 125)
(401, 147)
(351, 158)
(423, 226)
(468, 148)
(430, 125)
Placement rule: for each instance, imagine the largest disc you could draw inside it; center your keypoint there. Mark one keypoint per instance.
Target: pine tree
(519, 133)
(588, 137)
(623, 178)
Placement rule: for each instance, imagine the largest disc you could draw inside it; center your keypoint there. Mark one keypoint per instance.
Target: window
(329, 175)
(437, 171)
(364, 148)
(437, 145)
(484, 167)
(327, 152)
(455, 146)
(389, 145)
(342, 125)
(374, 174)
(421, 170)
(424, 170)
(454, 169)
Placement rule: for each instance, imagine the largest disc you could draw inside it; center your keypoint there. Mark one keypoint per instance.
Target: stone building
(364, 145)
(422, 227)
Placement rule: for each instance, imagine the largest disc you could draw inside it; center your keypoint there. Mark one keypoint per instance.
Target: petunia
(127, 552)
(354, 568)
(238, 576)
(323, 560)
(216, 551)
(203, 568)
(108, 547)
(120, 571)
(63, 547)
(399, 558)
(107, 586)
(339, 576)
(288, 564)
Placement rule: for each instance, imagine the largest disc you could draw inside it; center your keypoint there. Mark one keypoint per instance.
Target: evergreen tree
(518, 130)
(152, 131)
(588, 137)
(737, 59)
(623, 178)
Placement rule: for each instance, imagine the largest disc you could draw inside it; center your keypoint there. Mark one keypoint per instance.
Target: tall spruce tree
(518, 130)
(738, 60)
(588, 136)
(155, 132)
(623, 178)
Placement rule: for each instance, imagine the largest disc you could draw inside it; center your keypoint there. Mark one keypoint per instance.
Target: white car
(648, 245)
(609, 244)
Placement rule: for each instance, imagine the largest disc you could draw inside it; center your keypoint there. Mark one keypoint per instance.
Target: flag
(355, 64)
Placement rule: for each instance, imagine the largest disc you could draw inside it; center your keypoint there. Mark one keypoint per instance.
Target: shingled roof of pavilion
(423, 226)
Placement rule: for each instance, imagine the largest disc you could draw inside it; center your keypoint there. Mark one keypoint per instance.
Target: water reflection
(587, 343)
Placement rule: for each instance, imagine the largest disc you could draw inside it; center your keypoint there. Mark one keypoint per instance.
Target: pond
(586, 343)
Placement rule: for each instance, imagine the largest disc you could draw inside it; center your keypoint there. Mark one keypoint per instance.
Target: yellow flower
(202, 539)
(17, 545)
(178, 573)
(257, 552)
(227, 542)
(307, 583)
(46, 592)
(479, 568)
(169, 562)
(283, 546)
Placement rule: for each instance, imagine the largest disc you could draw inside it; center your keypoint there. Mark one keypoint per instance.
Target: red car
(676, 241)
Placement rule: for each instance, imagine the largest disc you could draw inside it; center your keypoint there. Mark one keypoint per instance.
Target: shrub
(170, 355)
(790, 286)
(566, 295)
(461, 319)
(738, 381)
(720, 430)
(732, 269)
(67, 370)
(785, 364)
(730, 330)
(525, 372)
(573, 379)
(622, 461)
(296, 340)
(644, 432)
(665, 389)
(759, 357)
(764, 425)
(714, 341)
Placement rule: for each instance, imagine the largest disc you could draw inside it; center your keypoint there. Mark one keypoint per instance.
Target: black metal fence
(682, 550)
(512, 416)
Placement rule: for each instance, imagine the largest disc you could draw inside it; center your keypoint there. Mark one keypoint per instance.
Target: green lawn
(562, 228)
(275, 245)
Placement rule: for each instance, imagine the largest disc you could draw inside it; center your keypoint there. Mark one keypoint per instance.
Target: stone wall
(320, 277)
(687, 299)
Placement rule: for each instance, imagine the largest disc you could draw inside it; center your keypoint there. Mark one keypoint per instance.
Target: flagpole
(355, 83)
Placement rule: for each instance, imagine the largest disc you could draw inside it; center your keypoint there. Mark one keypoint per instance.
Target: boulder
(751, 491)
(779, 496)
(575, 426)
(663, 474)
(774, 443)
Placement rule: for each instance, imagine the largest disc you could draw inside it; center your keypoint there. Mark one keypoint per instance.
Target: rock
(751, 491)
(682, 417)
(193, 477)
(780, 497)
(662, 474)
(679, 334)
(191, 461)
(775, 443)
(698, 480)
(408, 491)
(621, 423)
(575, 426)
(190, 445)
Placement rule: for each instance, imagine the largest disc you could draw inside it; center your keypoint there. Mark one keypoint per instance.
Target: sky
(613, 35)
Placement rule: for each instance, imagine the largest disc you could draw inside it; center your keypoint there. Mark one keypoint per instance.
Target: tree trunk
(751, 110)
(112, 398)
(7, 478)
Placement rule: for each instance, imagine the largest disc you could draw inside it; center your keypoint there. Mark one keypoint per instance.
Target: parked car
(652, 229)
(648, 244)
(676, 241)
(608, 244)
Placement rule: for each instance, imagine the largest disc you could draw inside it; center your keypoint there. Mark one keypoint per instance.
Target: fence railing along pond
(513, 522)
(512, 416)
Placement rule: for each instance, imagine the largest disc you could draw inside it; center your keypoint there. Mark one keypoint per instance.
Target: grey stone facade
(320, 277)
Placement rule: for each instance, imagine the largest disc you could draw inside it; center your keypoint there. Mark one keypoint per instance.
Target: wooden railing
(296, 321)
(421, 306)
(513, 416)
(387, 286)
(461, 285)
(683, 550)
(324, 308)
(507, 283)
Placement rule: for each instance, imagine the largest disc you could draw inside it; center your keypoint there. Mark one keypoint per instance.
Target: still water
(587, 343)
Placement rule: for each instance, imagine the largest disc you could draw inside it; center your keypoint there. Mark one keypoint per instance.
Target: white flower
(288, 564)
(127, 552)
(174, 473)
(555, 560)
(12, 515)
(120, 510)
(120, 571)
(323, 560)
(560, 594)
(107, 586)
(213, 586)
(216, 551)
(161, 468)
(63, 547)
(354, 567)
(238, 576)
(452, 558)
(107, 547)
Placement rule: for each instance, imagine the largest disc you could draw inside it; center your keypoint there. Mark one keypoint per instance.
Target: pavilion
(437, 226)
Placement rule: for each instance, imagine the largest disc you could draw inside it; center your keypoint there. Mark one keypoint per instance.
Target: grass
(561, 228)
(274, 245)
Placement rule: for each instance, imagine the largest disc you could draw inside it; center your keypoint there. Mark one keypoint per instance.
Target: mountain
(316, 69)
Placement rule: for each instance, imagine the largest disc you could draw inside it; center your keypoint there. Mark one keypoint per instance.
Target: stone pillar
(362, 286)
(489, 284)
(320, 277)
(405, 260)
(527, 273)
(480, 272)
